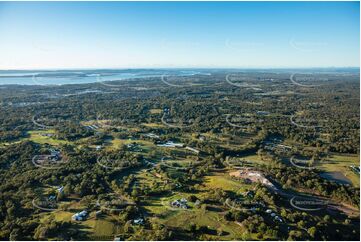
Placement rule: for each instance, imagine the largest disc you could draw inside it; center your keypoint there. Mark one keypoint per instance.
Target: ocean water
(80, 77)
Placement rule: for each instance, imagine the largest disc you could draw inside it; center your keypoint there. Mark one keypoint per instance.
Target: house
(134, 147)
(277, 218)
(355, 169)
(171, 144)
(262, 113)
(98, 147)
(151, 135)
(54, 152)
(202, 138)
(60, 189)
(80, 216)
(47, 135)
(52, 197)
(92, 127)
(138, 221)
(182, 203)
(268, 211)
(54, 156)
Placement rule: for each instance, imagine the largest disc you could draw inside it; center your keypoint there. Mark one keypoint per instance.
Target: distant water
(336, 176)
(79, 77)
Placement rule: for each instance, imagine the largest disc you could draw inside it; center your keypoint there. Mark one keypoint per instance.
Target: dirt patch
(252, 176)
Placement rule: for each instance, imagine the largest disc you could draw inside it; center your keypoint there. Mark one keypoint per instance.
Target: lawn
(94, 226)
(153, 125)
(341, 163)
(181, 218)
(223, 181)
(212, 220)
(254, 158)
(155, 111)
(145, 144)
(38, 137)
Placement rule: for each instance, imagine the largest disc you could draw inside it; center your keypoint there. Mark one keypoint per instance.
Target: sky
(56, 35)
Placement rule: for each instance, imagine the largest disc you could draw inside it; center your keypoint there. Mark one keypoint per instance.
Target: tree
(312, 231)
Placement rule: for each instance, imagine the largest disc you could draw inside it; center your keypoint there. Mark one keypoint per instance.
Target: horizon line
(155, 68)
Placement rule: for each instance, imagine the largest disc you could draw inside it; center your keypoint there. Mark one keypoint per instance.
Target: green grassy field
(225, 182)
(212, 220)
(38, 137)
(341, 163)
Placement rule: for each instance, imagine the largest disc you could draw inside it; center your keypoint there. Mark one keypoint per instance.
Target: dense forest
(108, 139)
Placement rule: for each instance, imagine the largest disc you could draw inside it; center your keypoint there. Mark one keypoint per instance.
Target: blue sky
(35, 35)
